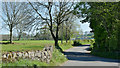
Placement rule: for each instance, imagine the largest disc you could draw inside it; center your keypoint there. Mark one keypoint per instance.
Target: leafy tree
(104, 19)
(68, 28)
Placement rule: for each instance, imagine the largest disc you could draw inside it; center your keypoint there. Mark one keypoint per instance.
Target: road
(79, 56)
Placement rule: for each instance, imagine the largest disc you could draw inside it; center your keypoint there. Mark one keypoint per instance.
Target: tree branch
(37, 11)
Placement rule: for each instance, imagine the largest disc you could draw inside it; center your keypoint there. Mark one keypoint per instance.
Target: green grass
(84, 42)
(32, 45)
(66, 46)
(111, 55)
(27, 45)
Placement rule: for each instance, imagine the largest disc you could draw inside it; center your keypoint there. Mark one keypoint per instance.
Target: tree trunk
(10, 35)
(66, 36)
(56, 40)
(57, 46)
(70, 33)
(61, 41)
(62, 35)
(19, 37)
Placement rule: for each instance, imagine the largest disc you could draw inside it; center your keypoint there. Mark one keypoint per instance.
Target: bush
(92, 44)
(4, 39)
(76, 43)
(66, 46)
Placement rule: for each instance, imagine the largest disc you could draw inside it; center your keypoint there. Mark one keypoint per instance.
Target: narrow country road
(79, 56)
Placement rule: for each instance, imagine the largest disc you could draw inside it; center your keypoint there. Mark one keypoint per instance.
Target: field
(32, 45)
(26, 45)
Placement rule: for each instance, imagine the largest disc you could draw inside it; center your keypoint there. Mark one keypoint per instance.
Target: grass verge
(111, 55)
(66, 46)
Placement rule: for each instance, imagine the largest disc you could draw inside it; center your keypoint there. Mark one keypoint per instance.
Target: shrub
(76, 43)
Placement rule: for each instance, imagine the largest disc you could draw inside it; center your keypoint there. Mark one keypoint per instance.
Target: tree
(12, 15)
(53, 14)
(26, 23)
(61, 34)
(69, 25)
(69, 28)
(17, 15)
(43, 33)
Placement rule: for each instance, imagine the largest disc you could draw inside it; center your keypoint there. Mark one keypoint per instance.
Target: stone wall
(44, 56)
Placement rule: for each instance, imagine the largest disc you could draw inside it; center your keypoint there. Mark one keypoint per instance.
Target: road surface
(79, 56)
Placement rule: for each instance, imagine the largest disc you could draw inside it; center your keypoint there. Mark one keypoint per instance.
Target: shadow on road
(75, 53)
(85, 45)
(82, 45)
(84, 56)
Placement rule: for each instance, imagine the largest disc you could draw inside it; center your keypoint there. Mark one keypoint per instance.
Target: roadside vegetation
(112, 55)
(81, 42)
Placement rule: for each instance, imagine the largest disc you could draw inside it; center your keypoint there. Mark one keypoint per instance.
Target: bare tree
(13, 14)
(26, 24)
(53, 14)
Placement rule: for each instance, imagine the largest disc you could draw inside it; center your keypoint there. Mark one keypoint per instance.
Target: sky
(84, 27)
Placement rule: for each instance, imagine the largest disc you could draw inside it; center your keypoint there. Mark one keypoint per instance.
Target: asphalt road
(79, 56)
